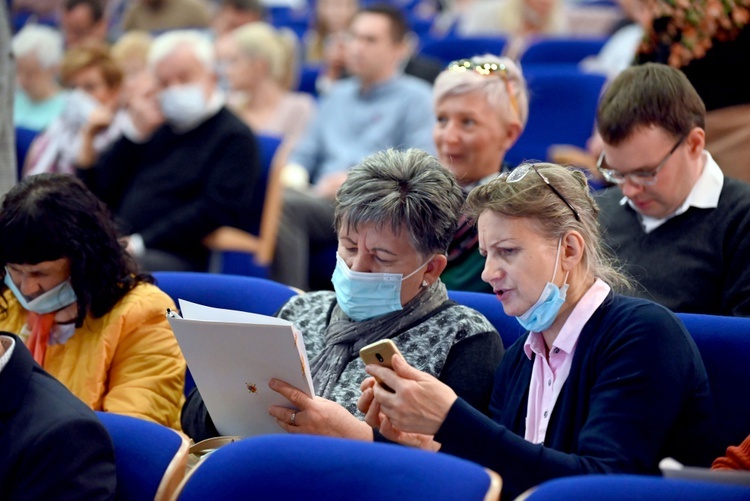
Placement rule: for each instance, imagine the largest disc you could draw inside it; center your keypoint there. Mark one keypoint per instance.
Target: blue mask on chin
(543, 313)
(55, 299)
(367, 295)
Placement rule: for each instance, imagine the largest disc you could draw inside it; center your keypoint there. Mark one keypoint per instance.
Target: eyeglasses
(488, 69)
(639, 178)
(520, 172)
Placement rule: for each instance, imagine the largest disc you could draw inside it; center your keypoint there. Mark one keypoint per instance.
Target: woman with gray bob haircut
(395, 215)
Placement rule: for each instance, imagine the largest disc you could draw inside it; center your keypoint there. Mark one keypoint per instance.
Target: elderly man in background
(377, 108)
(172, 184)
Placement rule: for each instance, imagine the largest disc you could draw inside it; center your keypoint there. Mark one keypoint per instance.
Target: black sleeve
(72, 460)
(195, 420)
(470, 368)
(111, 174)
(227, 197)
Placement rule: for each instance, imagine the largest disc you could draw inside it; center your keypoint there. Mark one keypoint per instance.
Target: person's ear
(696, 141)
(572, 250)
(512, 132)
(434, 269)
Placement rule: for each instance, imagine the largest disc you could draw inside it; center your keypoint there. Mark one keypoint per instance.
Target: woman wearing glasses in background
(602, 383)
(481, 108)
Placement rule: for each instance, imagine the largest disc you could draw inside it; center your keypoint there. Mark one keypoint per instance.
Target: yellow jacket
(127, 361)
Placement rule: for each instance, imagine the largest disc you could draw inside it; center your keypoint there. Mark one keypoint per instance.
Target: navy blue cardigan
(637, 392)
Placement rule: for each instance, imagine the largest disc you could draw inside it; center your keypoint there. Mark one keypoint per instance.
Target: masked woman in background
(91, 120)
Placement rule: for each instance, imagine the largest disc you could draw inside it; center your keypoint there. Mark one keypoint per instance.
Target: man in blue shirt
(375, 109)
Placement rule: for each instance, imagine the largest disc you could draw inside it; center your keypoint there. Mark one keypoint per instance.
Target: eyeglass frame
(529, 167)
(487, 69)
(638, 178)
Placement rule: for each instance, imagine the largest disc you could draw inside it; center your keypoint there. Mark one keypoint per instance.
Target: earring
(425, 283)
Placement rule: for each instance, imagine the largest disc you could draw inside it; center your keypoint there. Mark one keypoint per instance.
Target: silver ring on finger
(293, 418)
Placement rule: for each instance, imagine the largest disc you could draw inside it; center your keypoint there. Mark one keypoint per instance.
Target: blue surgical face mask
(55, 299)
(367, 295)
(183, 105)
(543, 313)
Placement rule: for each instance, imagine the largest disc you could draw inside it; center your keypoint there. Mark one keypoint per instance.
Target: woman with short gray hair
(481, 108)
(395, 215)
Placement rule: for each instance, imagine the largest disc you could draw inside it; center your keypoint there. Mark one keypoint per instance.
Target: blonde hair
(530, 197)
(91, 56)
(511, 18)
(494, 86)
(276, 47)
(132, 45)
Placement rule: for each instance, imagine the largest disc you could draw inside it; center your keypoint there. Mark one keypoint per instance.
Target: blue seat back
(724, 344)
(453, 48)
(489, 306)
(562, 110)
(314, 467)
(561, 50)
(144, 453)
(232, 292)
(630, 487)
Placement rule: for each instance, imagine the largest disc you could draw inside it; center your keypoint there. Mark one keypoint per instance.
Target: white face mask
(184, 106)
(78, 108)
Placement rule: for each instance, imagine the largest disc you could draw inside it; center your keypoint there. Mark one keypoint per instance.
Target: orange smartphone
(380, 352)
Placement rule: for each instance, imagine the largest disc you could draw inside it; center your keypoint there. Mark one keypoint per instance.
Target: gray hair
(494, 88)
(404, 190)
(530, 197)
(263, 41)
(42, 41)
(167, 43)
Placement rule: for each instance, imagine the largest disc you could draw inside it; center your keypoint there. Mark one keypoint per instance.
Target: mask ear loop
(557, 257)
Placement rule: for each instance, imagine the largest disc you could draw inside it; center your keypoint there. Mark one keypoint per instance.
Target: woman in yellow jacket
(74, 295)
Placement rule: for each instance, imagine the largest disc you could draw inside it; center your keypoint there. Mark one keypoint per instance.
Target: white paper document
(232, 355)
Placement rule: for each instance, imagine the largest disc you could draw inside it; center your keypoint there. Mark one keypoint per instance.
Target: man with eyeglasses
(676, 223)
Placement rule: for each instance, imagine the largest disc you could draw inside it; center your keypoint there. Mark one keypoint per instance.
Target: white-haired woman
(259, 59)
(39, 99)
(481, 108)
(602, 383)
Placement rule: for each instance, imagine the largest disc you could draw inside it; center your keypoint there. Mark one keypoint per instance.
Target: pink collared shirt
(548, 376)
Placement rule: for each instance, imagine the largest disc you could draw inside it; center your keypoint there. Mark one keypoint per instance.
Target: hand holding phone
(380, 353)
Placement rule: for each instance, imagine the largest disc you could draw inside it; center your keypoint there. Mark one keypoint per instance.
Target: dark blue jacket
(53, 445)
(637, 392)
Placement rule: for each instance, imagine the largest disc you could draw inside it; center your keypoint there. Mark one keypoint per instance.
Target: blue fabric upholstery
(450, 49)
(561, 50)
(724, 344)
(562, 109)
(635, 487)
(232, 292)
(143, 452)
(24, 138)
(312, 467)
(489, 306)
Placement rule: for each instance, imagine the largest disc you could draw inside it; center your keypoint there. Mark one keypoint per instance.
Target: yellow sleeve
(147, 373)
